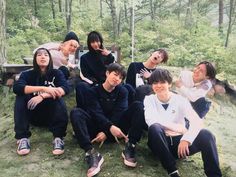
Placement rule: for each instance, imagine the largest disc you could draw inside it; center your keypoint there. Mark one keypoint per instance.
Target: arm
(108, 58)
(84, 67)
(194, 93)
(196, 123)
(121, 105)
(131, 75)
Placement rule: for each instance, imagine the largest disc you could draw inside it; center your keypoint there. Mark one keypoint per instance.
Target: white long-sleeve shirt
(193, 91)
(173, 118)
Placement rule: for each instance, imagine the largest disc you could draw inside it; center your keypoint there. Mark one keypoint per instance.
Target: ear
(107, 73)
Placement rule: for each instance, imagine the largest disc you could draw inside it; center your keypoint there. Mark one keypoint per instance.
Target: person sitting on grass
(61, 52)
(105, 116)
(168, 139)
(139, 72)
(195, 85)
(93, 63)
(39, 102)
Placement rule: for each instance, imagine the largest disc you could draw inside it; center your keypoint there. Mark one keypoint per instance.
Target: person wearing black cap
(61, 52)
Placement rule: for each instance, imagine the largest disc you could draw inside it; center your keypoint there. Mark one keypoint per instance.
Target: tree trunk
(35, 8)
(221, 15)
(119, 22)
(101, 16)
(151, 9)
(2, 31)
(111, 4)
(59, 5)
(131, 20)
(189, 20)
(68, 10)
(53, 9)
(126, 11)
(230, 22)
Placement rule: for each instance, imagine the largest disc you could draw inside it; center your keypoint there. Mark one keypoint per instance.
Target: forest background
(190, 30)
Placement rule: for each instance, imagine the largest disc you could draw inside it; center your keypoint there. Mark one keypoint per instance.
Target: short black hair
(118, 68)
(210, 69)
(165, 55)
(94, 36)
(160, 75)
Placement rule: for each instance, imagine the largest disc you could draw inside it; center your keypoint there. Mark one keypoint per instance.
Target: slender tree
(2, 31)
(101, 9)
(221, 16)
(59, 5)
(231, 20)
(53, 9)
(112, 7)
(68, 10)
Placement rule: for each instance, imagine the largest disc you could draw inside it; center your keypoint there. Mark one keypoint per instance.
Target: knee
(154, 130)
(76, 115)
(206, 137)
(138, 105)
(81, 86)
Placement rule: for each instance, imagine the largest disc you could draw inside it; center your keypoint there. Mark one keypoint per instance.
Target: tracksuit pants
(165, 148)
(51, 113)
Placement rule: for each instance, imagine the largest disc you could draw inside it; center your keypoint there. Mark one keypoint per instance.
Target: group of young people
(109, 110)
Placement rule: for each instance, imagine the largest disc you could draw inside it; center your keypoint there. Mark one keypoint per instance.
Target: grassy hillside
(221, 120)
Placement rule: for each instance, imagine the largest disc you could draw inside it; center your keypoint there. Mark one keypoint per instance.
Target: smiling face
(113, 78)
(69, 47)
(161, 87)
(199, 73)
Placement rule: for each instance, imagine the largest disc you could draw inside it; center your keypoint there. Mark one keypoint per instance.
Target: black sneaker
(58, 146)
(23, 146)
(94, 161)
(174, 174)
(128, 155)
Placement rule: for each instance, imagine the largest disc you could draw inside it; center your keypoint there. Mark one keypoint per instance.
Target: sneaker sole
(57, 152)
(23, 152)
(97, 170)
(127, 163)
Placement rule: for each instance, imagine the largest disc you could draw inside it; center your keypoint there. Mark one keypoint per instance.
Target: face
(157, 57)
(70, 47)
(199, 73)
(161, 87)
(95, 45)
(42, 58)
(113, 78)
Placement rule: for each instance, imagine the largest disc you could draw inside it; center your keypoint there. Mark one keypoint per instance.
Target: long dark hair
(94, 36)
(35, 64)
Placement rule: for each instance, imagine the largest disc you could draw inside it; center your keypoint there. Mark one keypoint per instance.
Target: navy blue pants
(51, 113)
(165, 148)
(85, 127)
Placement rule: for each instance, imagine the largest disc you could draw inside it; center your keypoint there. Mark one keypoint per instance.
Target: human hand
(183, 149)
(104, 51)
(55, 92)
(178, 83)
(101, 137)
(33, 102)
(145, 73)
(117, 133)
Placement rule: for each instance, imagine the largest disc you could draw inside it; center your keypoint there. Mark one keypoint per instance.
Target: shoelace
(58, 143)
(23, 144)
(92, 159)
